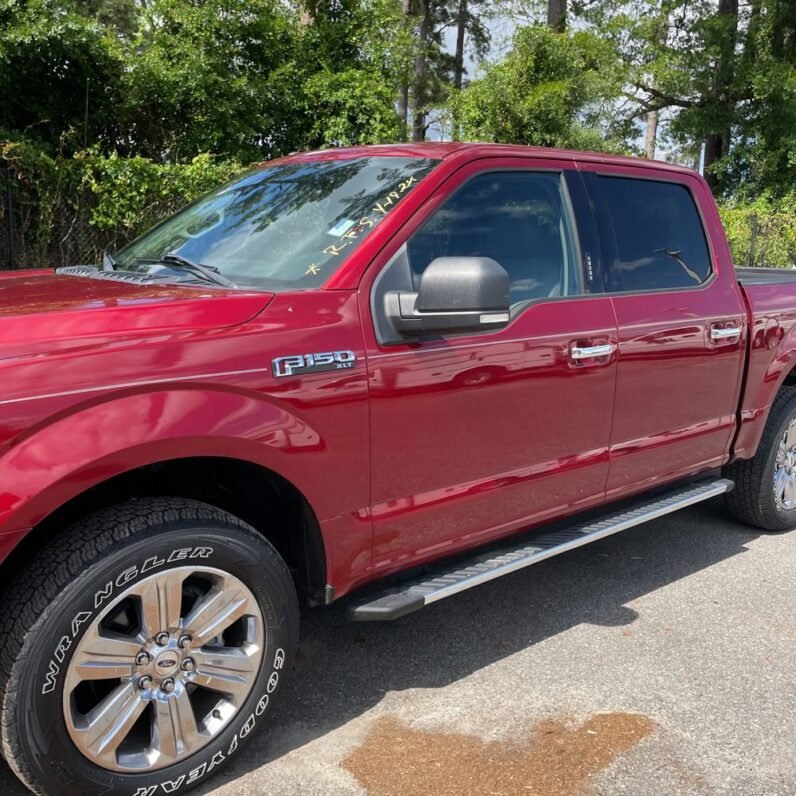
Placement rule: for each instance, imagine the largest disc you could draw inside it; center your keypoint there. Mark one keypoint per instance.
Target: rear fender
(772, 358)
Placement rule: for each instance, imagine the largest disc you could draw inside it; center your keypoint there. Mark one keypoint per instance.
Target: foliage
(109, 108)
(764, 156)
(721, 74)
(551, 90)
(50, 56)
(350, 57)
(99, 200)
(762, 232)
(131, 194)
(199, 79)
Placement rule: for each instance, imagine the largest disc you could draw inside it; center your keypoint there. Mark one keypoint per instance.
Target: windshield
(281, 227)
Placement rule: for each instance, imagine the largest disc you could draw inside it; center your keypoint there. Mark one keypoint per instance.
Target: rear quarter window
(651, 233)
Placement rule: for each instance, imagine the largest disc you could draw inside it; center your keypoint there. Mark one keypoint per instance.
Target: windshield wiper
(207, 272)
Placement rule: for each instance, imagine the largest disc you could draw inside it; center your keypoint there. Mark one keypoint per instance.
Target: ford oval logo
(167, 663)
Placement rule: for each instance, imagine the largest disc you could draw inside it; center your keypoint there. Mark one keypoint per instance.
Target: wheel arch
(259, 496)
(771, 368)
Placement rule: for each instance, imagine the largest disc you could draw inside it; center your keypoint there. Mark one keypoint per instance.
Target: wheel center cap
(166, 663)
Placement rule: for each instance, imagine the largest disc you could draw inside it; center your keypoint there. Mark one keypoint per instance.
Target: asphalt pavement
(658, 661)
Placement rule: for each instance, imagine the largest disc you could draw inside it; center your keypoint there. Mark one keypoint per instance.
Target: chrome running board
(416, 594)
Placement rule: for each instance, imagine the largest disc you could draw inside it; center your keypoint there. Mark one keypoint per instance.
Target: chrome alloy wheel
(785, 469)
(163, 669)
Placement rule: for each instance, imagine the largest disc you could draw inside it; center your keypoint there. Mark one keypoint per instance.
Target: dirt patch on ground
(559, 759)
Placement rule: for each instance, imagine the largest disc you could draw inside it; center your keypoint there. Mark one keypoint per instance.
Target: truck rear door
(681, 323)
(475, 435)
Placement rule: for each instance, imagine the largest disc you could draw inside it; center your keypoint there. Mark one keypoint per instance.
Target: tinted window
(652, 235)
(518, 219)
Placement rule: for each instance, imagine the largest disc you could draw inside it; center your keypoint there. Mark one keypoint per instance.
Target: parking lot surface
(658, 661)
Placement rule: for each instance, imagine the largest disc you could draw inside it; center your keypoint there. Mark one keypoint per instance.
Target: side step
(411, 596)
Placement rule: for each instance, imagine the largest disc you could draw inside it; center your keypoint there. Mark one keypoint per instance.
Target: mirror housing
(456, 294)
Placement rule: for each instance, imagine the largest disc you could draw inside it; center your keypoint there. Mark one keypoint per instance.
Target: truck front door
(476, 435)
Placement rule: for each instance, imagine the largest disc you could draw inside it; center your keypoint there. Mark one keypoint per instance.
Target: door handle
(725, 333)
(592, 351)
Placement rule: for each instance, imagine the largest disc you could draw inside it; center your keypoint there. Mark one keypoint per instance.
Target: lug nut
(142, 659)
(144, 683)
(188, 665)
(184, 641)
(167, 686)
(162, 639)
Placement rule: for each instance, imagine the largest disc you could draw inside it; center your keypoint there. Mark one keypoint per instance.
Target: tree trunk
(557, 15)
(403, 110)
(715, 149)
(403, 93)
(651, 134)
(458, 59)
(419, 93)
(717, 142)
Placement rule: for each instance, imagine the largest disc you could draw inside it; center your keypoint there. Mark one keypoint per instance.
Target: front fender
(61, 458)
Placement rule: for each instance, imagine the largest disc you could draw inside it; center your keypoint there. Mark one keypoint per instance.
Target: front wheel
(765, 485)
(141, 649)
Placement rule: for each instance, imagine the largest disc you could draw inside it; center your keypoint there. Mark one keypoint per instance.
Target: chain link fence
(66, 210)
(32, 237)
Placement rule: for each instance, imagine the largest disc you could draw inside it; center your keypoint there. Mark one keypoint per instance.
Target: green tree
(552, 89)
(58, 71)
(722, 78)
(350, 58)
(763, 158)
(199, 79)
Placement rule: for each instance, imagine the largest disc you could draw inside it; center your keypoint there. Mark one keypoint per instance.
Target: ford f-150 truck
(381, 373)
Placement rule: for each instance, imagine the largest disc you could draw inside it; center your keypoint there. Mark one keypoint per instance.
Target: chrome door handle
(724, 334)
(592, 351)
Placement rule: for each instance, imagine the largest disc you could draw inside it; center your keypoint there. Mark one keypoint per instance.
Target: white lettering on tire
(172, 785)
(101, 596)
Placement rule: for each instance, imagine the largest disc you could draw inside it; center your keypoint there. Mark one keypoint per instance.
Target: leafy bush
(762, 233)
(131, 194)
(67, 209)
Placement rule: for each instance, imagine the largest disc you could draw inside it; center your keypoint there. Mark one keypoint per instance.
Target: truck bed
(766, 276)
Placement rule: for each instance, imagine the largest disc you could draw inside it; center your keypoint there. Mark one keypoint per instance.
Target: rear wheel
(142, 649)
(765, 486)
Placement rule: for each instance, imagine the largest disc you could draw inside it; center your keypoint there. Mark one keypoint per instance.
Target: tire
(148, 561)
(754, 500)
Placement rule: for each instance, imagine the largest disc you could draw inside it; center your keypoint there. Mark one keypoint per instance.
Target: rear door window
(651, 234)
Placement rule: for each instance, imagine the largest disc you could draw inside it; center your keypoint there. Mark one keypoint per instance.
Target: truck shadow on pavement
(343, 668)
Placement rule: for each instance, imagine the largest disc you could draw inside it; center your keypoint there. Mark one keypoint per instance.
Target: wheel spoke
(790, 436)
(229, 670)
(780, 482)
(108, 724)
(161, 603)
(102, 657)
(790, 491)
(127, 694)
(175, 732)
(215, 613)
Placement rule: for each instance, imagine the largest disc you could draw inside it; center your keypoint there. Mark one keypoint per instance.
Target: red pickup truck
(377, 369)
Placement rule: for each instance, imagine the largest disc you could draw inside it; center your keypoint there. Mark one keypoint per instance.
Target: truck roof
(444, 150)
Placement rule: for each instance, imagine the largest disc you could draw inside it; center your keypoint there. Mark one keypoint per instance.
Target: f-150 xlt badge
(313, 363)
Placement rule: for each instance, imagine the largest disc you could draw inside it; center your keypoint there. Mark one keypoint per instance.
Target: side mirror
(456, 294)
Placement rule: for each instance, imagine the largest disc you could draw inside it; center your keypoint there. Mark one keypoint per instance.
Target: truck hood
(42, 311)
